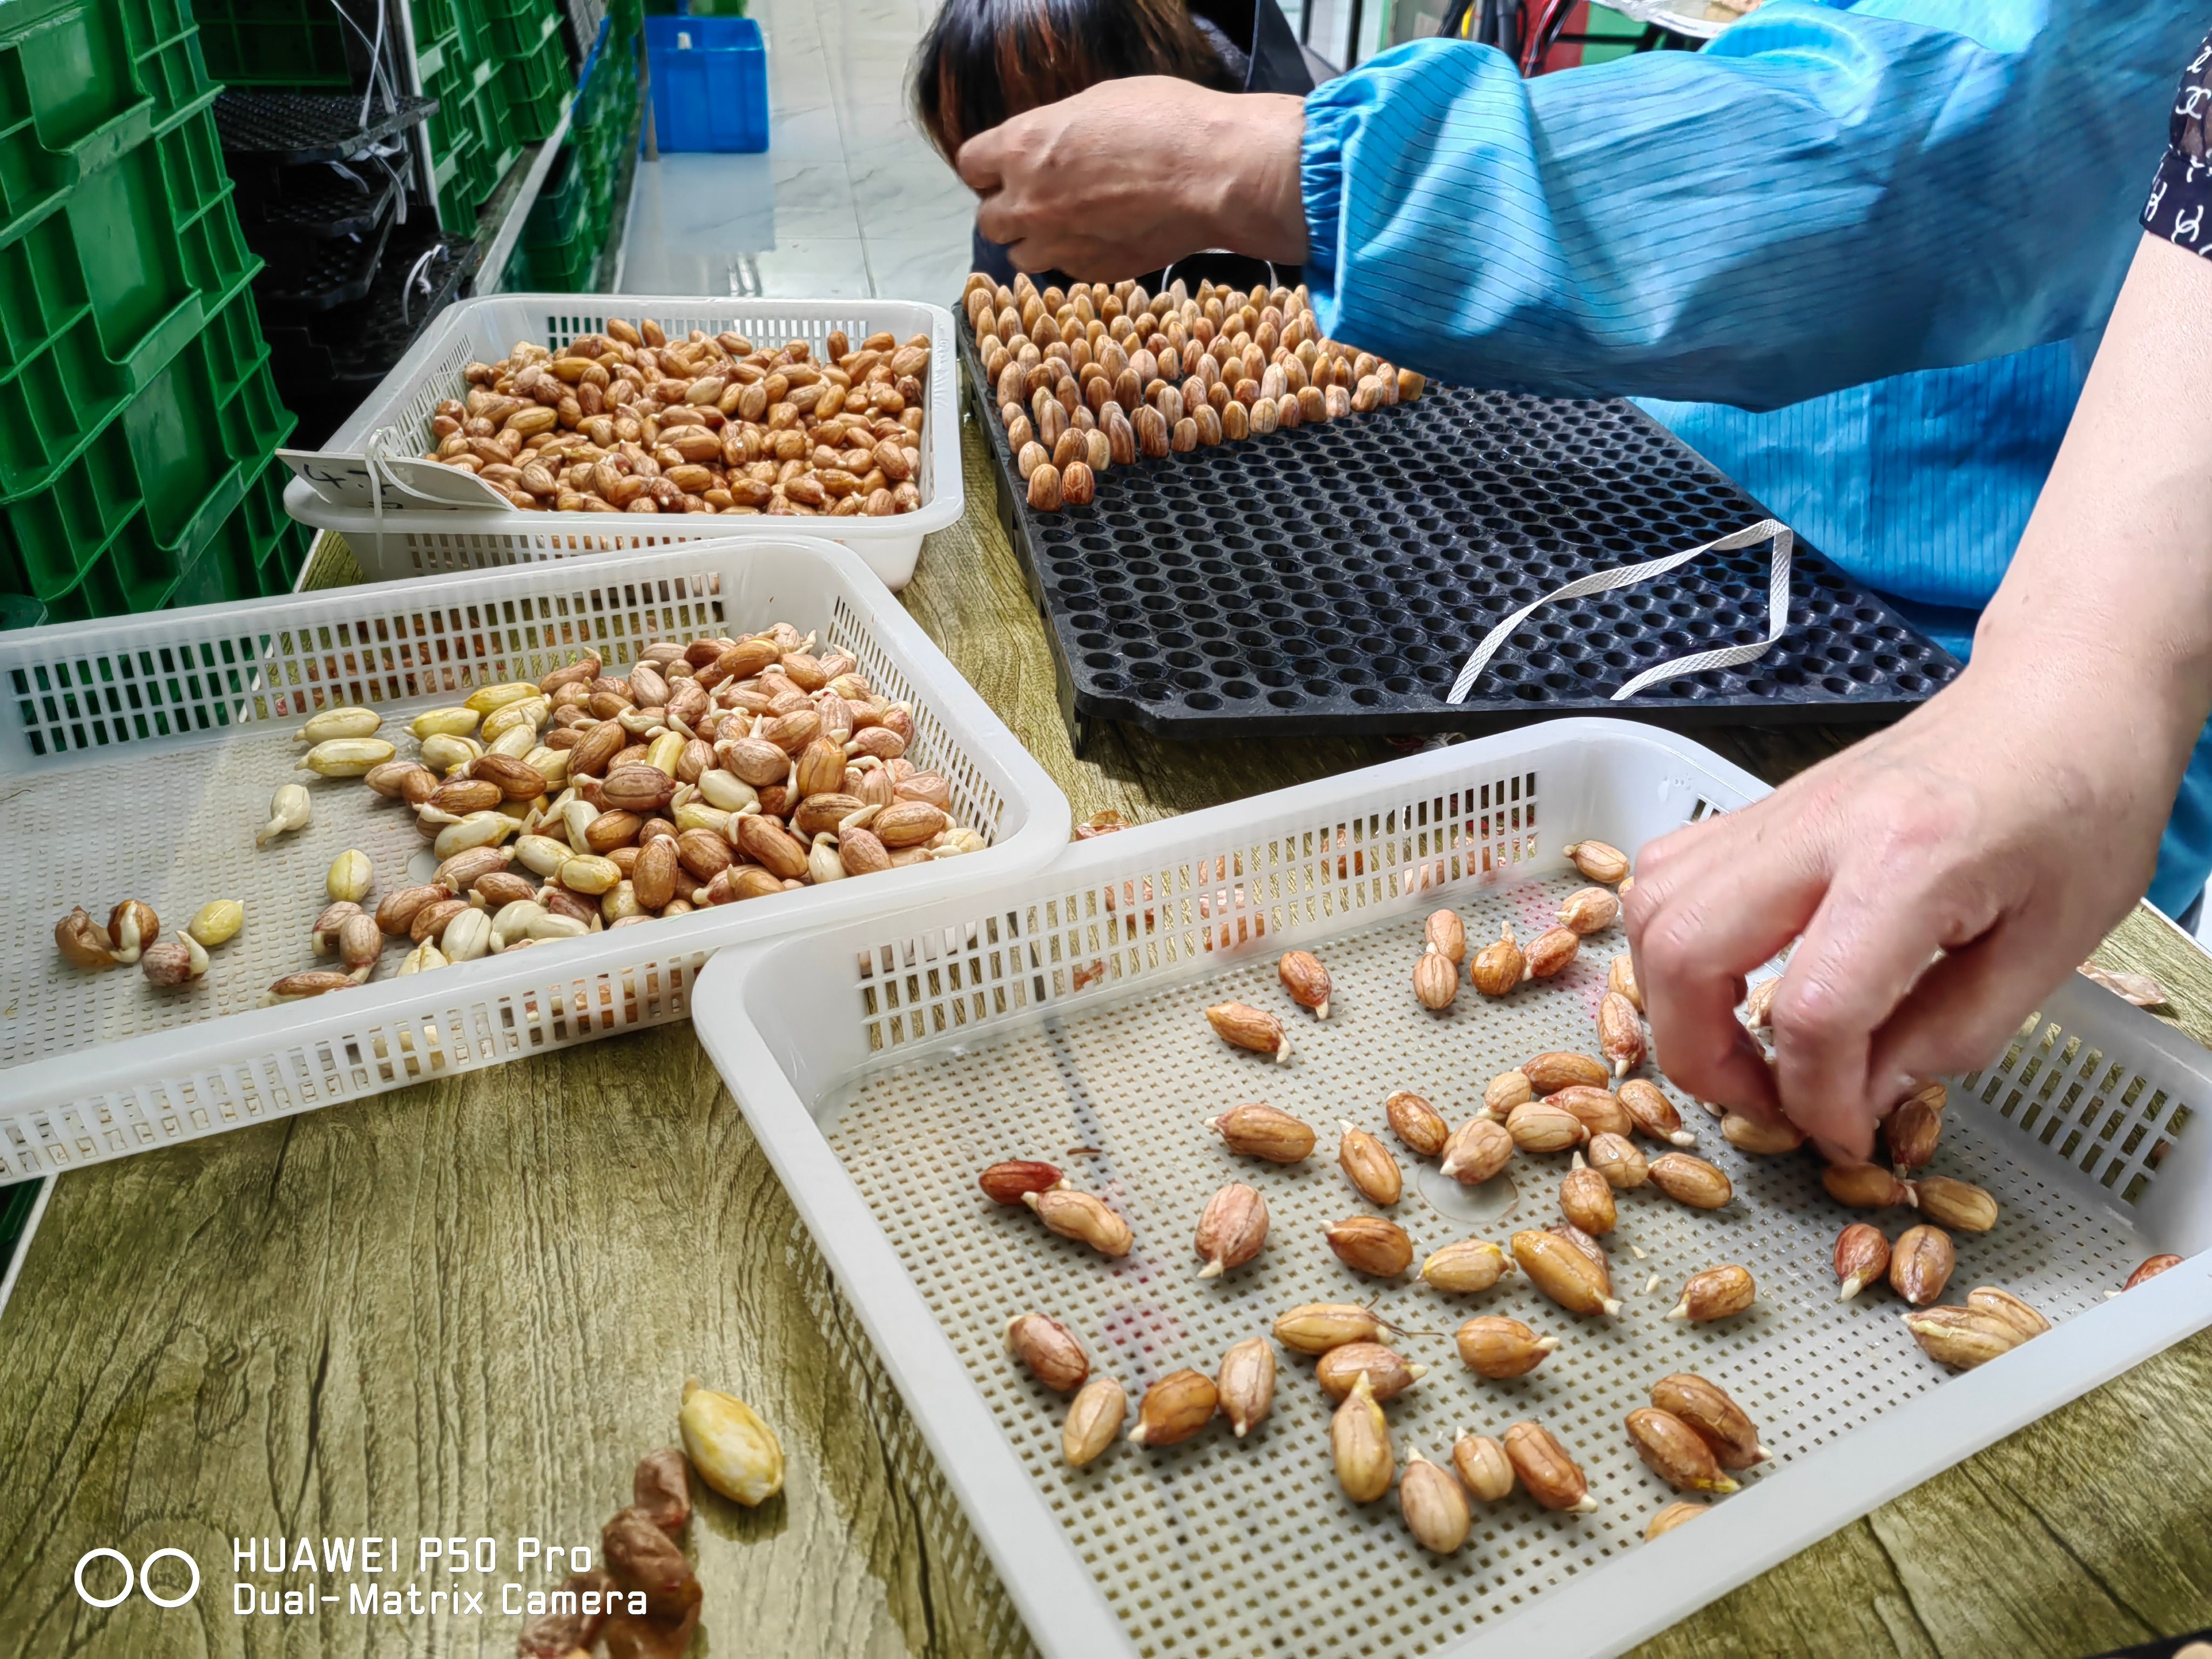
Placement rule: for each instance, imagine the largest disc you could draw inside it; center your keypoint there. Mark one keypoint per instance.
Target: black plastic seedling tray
(328, 364)
(317, 203)
(316, 274)
(310, 126)
(1331, 580)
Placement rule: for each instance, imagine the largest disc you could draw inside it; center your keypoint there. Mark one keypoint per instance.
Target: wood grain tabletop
(465, 1308)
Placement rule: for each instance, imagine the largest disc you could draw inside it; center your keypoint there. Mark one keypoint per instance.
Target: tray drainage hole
(1240, 690)
(1100, 659)
(1202, 700)
(1366, 696)
(1280, 699)
(1468, 1205)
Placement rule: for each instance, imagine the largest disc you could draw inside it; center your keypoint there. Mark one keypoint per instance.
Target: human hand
(2008, 823)
(1131, 175)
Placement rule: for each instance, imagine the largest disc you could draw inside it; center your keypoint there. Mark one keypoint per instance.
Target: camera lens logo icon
(140, 1577)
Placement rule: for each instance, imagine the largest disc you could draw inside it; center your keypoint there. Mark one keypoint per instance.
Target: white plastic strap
(1603, 581)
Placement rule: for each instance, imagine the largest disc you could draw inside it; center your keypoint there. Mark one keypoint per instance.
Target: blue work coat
(1858, 255)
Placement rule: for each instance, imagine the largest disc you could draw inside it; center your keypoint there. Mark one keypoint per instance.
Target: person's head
(983, 61)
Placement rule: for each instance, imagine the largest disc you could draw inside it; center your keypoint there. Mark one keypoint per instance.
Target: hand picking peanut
(627, 421)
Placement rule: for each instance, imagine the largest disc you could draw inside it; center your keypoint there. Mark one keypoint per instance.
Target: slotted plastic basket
(884, 1063)
(139, 757)
(436, 518)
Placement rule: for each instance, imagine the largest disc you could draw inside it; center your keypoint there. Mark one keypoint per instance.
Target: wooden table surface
(465, 1308)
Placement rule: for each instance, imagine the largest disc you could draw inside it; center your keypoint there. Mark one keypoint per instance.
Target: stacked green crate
(572, 224)
(137, 409)
(470, 144)
(496, 67)
(509, 55)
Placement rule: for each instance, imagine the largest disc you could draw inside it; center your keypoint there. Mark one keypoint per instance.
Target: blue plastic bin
(709, 82)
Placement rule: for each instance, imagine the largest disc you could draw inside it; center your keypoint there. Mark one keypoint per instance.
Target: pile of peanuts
(1097, 376)
(716, 771)
(630, 422)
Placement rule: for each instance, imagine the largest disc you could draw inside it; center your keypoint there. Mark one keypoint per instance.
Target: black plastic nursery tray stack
(1332, 579)
(328, 363)
(311, 127)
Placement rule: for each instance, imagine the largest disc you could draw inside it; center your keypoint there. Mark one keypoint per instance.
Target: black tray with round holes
(1331, 580)
(311, 127)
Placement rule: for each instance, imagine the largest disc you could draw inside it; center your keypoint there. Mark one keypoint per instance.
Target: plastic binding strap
(1604, 581)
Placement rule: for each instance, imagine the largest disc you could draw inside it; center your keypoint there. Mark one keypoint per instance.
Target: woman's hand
(1131, 175)
(2008, 825)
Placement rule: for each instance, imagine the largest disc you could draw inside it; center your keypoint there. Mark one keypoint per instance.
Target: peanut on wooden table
(468, 1306)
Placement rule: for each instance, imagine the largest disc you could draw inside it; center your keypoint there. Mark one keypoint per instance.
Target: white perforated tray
(884, 1064)
(425, 517)
(137, 756)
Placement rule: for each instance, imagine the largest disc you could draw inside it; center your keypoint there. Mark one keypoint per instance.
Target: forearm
(1821, 198)
(2109, 598)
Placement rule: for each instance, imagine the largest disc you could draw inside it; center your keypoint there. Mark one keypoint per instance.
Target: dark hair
(983, 61)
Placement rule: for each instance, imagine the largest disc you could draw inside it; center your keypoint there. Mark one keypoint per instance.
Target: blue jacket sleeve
(1824, 196)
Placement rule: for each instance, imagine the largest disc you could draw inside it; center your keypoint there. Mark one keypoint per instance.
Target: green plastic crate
(99, 296)
(513, 32)
(273, 43)
(140, 500)
(560, 197)
(255, 553)
(537, 86)
(82, 82)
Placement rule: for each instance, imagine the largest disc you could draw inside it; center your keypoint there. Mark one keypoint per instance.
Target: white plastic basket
(883, 1063)
(436, 518)
(137, 756)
